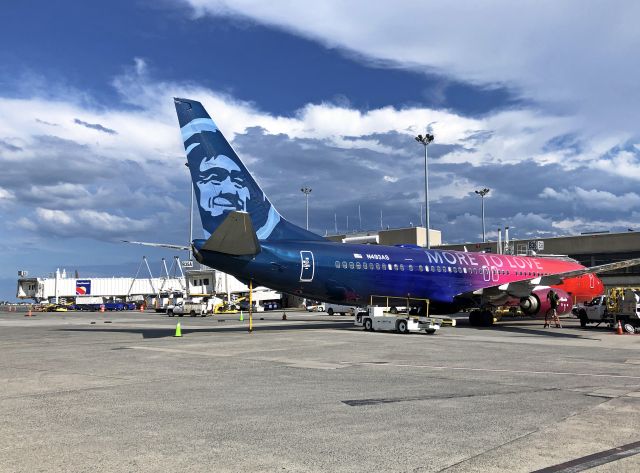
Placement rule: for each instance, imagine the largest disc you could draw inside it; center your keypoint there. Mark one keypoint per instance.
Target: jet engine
(537, 304)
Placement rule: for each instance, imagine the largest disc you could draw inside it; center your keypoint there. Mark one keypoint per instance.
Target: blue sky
(538, 103)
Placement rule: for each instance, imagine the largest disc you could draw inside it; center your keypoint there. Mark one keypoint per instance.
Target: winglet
(235, 236)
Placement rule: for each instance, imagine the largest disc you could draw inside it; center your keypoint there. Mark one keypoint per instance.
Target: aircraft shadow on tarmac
(169, 332)
(548, 332)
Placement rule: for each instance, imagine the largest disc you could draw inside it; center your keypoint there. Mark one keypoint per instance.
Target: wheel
(343, 313)
(393, 309)
(330, 311)
(431, 331)
(402, 326)
(192, 313)
(170, 312)
(629, 328)
(368, 325)
(180, 315)
(485, 318)
(583, 319)
(204, 314)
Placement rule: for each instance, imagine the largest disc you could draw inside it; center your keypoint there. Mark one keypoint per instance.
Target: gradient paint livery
(296, 261)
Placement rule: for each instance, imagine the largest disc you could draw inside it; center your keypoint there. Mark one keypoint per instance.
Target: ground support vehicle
(315, 306)
(55, 308)
(597, 311)
(376, 319)
(187, 307)
(332, 309)
(118, 305)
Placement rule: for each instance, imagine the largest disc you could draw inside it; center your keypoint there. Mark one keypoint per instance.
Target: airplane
(246, 236)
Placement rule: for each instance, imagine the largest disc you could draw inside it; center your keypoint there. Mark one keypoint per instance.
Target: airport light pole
(425, 140)
(482, 193)
(306, 191)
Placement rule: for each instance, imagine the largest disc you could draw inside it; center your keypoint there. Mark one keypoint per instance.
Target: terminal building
(589, 249)
(202, 282)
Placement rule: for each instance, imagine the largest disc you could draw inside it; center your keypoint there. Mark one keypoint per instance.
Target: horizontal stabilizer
(234, 236)
(159, 245)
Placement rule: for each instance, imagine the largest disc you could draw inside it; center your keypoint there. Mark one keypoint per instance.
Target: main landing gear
(481, 318)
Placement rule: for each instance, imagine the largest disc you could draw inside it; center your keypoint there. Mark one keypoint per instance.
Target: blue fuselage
(348, 273)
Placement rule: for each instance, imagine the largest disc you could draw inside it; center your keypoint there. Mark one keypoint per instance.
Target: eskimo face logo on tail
(222, 185)
(221, 181)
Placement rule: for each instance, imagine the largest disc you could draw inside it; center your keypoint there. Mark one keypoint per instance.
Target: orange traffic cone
(102, 308)
(619, 329)
(29, 313)
(142, 308)
(284, 316)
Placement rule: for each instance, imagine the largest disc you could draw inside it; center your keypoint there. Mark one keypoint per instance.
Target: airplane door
(486, 273)
(592, 281)
(307, 266)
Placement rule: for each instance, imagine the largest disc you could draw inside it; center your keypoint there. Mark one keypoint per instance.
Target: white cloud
(6, 196)
(578, 225)
(376, 145)
(100, 225)
(594, 199)
(571, 58)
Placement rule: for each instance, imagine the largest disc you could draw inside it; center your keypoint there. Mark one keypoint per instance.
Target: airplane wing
(159, 245)
(603, 268)
(523, 287)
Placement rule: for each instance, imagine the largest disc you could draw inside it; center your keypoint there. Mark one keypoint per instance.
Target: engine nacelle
(537, 303)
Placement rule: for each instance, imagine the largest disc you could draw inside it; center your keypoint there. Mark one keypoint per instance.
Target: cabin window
(433, 269)
(420, 268)
(350, 264)
(439, 269)
(358, 266)
(390, 267)
(377, 265)
(402, 267)
(344, 265)
(395, 267)
(337, 264)
(410, 267)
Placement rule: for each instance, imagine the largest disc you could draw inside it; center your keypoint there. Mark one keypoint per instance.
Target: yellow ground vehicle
(226, 307)
(55, 308)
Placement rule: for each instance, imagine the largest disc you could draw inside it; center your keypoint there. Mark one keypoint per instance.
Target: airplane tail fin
(222, 183)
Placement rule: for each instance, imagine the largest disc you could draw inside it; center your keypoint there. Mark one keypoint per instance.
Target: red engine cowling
(538, 304)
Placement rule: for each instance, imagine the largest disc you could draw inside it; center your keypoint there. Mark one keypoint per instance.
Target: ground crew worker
(553, 298)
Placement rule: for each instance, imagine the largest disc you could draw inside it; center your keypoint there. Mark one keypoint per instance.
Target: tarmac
(118, 392)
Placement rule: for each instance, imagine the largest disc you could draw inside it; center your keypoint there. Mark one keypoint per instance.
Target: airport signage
(83, 287)
(187, 263)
